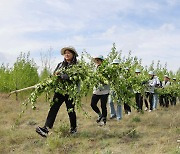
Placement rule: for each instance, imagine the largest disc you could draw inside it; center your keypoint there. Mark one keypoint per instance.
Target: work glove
(64, 76)
(144, 82)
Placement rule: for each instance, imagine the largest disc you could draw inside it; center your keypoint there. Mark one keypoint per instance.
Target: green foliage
(136, 119)
(44, 74)
(24, 73)
(76, 87)
(82, 78)
(132, 133)
(171, 90)
(62, 130)
(5, 79)
(121, 78)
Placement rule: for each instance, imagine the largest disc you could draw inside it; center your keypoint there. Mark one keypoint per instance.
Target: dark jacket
(62, 75)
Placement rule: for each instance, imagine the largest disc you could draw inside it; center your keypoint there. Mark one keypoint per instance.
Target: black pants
(94, 101)
(127, 108)
(164, 100)
(173, 100)
(139, 101)
(58, 99)
(150, 96)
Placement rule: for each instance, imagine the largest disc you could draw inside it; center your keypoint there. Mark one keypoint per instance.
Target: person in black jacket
(70, 55)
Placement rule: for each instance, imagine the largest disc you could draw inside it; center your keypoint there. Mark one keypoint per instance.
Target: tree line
(24, 72)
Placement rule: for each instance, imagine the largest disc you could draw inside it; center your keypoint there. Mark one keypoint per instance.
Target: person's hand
(64, 76)
(57, 73)
(144, 82)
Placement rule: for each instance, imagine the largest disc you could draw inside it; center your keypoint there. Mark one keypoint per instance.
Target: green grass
(136, 119)
(150, 133)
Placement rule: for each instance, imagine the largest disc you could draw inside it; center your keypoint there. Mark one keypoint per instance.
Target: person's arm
(56, 72)
(152, 83)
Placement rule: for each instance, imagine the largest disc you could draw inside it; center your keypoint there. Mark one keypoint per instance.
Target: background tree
(24, 72)
(46, 60)
(5, 79)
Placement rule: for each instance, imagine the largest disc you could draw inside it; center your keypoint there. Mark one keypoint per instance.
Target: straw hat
(126, 68)
(115, 61)
(166, 76)
(151, 73)
(69, 48)
(137, 71)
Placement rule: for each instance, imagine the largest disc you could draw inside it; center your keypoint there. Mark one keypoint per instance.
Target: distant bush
(5, 79)
(23, 74)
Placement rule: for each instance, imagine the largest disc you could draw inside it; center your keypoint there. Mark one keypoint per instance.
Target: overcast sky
(149, 28)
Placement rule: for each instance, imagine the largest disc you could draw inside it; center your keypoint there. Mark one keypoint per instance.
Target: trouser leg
(173, 100)
(160, 100)
(119, 111)
(127, 108)
(155, 101)
(151, 100)
(71, 112)
(104, 99)
(111, 105)
(137, 100)
(94, 101)
(58, 99)
(166, 101)
(141, 102)
(146, 100)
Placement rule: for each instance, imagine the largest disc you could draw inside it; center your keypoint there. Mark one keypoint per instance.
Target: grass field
(149, 133)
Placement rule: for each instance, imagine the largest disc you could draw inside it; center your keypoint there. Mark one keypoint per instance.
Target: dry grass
(149, 133)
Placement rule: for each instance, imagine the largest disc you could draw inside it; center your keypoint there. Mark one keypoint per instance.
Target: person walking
(127, 107)
(70, 58)
(138, 95)
(174, 97)
(164, 99)
(150, 92)
(101, 92)
(115, 113)
(155, 96)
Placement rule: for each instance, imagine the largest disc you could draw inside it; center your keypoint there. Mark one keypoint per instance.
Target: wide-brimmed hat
(116, 61)
(69, 48)
(99, 57)
(126, 68)
(137, 71)
(151, 73)
(166, 76)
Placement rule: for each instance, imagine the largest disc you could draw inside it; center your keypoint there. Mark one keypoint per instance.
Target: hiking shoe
(104, 120)
(73, 131)
(145, 109)
(42, 131)
(113, 116)
(118, 118)
(99, 119)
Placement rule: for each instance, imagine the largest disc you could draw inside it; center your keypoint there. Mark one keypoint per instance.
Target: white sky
(150, 29)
